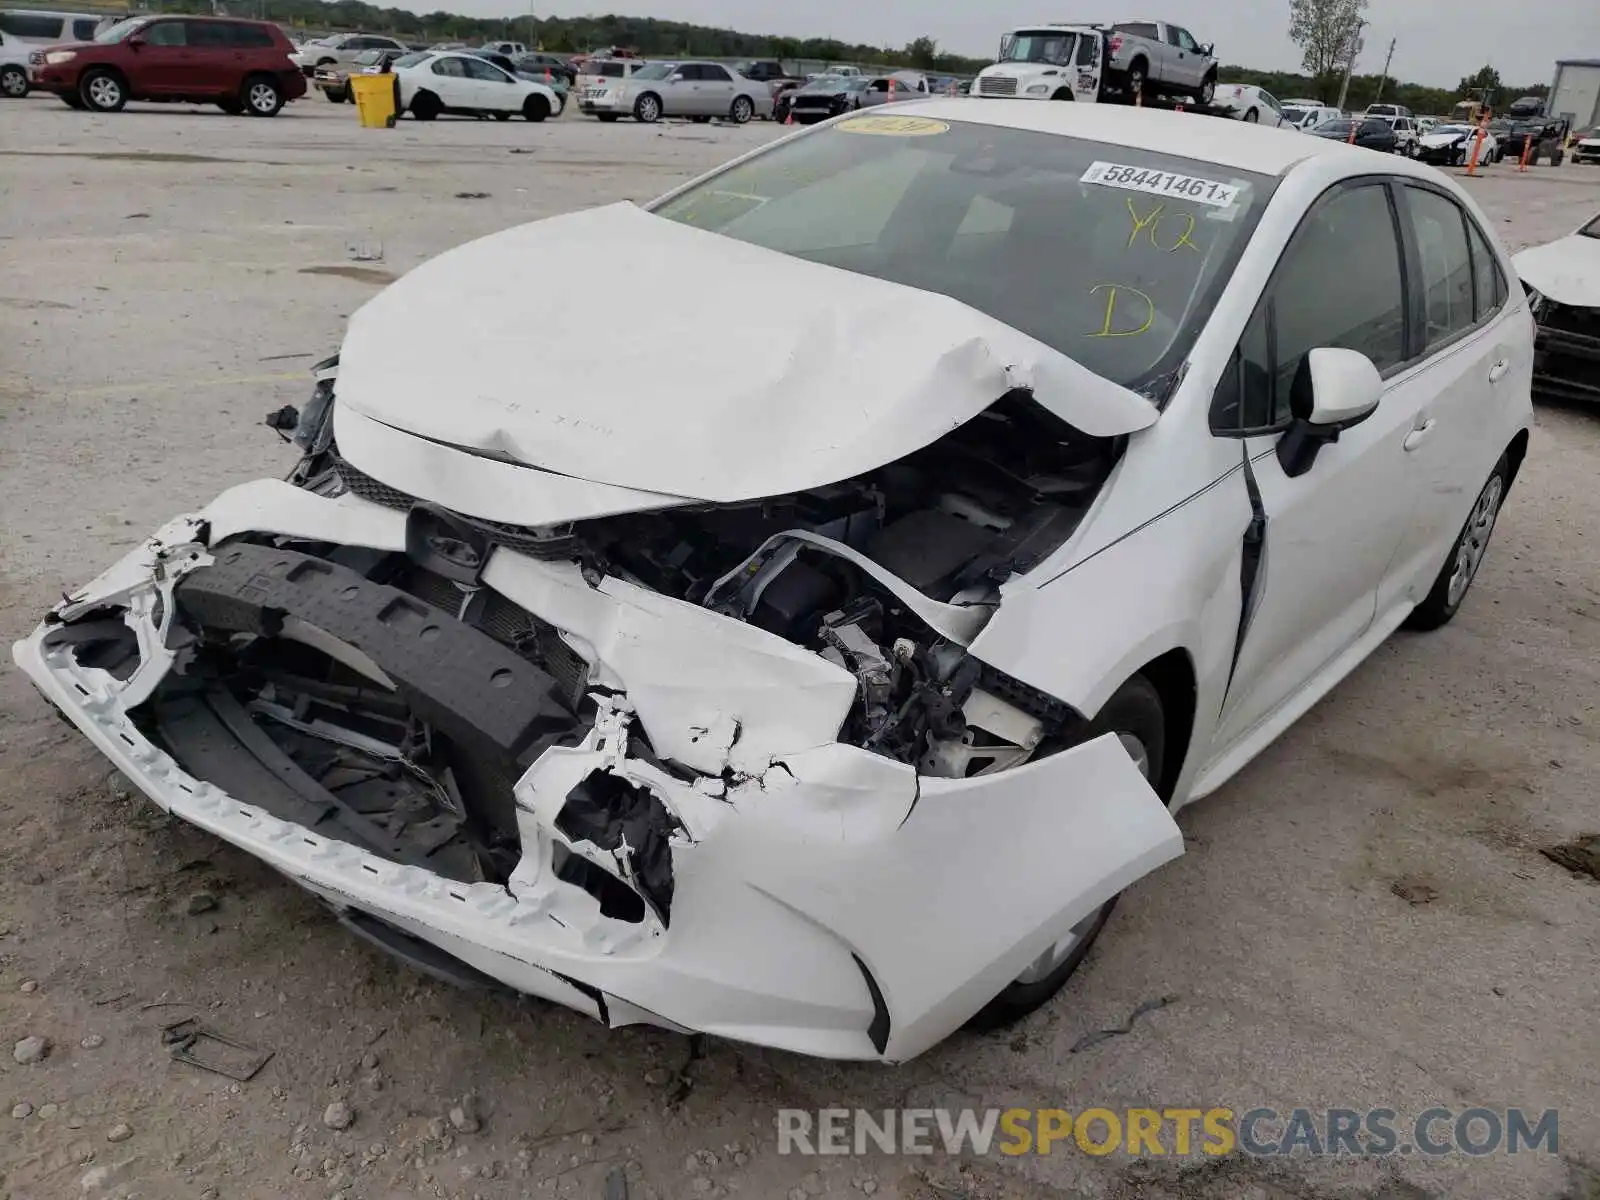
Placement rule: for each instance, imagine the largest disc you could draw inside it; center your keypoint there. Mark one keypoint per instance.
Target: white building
(1575, 92)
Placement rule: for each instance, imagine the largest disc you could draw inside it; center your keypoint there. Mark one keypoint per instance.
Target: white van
(40, 28)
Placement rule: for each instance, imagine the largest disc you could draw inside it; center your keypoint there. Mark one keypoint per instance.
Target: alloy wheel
(1475, 538)
(263, 97)
(105, 92)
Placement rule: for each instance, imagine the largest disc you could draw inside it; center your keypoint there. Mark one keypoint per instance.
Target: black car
(1371, 134)
(825, 97)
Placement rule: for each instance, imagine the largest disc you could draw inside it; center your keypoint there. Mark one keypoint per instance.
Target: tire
(425, 106)
(74, 102)
(1252, 117)
(608, 117)
(701, 120)
(647, 109)
(334, 97)
(1136, 78)
(502, 116)
(262, 96)
(535, 108)
(1064, 94)
(742, 111)
(1133, 712)
(13, 82)
(1461, 565)
(103, 91)
(232, 107)
(1207, 92)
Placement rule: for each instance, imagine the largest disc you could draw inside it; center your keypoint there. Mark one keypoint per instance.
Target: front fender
(1173, 583)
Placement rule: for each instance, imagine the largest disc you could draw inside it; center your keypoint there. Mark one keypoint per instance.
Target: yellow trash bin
(374, 100)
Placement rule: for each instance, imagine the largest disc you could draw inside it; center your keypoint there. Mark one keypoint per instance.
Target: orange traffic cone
(788, 117)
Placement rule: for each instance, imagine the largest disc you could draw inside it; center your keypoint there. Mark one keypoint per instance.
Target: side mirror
(1209, 49)
(1333, 390)
(674, 78)
(135, 42)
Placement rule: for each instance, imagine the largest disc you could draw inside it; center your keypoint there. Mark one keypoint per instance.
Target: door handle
(1419, 435)
(1497, 372)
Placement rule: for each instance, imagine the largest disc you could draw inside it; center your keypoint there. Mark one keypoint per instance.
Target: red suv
(240, 66)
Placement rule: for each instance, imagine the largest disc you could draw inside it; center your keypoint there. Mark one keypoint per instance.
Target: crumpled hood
(1441, 139)
(1566, 270)
(688, 363)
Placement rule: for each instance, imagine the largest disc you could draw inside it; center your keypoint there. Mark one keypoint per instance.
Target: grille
(997, 85)
(368, 488)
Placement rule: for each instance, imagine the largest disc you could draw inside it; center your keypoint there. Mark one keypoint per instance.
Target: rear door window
(252, 37)
(1489, 284)
(209, 35)
(1439, 228)
(1138, 29)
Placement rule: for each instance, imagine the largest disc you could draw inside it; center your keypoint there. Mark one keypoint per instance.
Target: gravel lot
(168, 276)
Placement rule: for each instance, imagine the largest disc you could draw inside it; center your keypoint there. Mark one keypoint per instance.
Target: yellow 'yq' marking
(893, 126)
(1148, 225)
(1113, 290)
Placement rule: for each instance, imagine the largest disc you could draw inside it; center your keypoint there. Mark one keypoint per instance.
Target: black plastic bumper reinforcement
(456, 678)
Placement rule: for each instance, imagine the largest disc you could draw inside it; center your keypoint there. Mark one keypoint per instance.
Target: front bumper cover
(832, 903)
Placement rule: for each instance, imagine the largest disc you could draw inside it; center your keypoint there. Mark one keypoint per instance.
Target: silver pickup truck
(1155, 56)
(1090, 63)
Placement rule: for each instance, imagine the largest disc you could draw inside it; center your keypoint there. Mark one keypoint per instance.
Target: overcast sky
(1438, 41)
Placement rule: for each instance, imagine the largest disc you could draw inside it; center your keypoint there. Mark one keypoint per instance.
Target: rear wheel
(535, 108)
(103, 91)
(1460, 568)
(1136, 79)
(1135, 715)
(262, 96)
(13, 81)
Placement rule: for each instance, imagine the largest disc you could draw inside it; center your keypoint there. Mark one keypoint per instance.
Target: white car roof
(1237, 144)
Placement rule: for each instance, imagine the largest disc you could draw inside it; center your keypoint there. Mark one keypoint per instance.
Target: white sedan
(432, 83)
(1245, 102)
(816, 674)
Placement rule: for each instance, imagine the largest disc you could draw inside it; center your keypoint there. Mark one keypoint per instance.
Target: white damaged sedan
(816, 674)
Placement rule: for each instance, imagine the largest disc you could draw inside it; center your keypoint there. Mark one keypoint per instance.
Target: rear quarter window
(83, 28)
(37, 27)
(253, 37)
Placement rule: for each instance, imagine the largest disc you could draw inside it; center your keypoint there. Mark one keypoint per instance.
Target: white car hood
(1566, 270)
(691, 365)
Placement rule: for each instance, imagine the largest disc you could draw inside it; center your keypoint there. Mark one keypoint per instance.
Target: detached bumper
(829, 903)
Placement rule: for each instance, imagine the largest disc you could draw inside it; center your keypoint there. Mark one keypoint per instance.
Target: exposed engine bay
(420, 769)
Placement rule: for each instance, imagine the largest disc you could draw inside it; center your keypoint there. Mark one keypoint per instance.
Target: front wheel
(1135, 715)
(1460, 568)
(741, 112)
(425, 106)
(535, 108)
(647, 109)
(103, 91)
(13, 81)
(1208, 91)
(262, 97)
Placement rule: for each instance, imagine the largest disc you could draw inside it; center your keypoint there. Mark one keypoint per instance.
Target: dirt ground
(1363, 917)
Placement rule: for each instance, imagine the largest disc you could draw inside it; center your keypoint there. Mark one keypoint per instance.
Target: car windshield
(1114, 263)
(367, 57)
(1452, 129)
(120, 30)
(1042, 46)
(655, 71)
(411, 60)
(825, 83)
